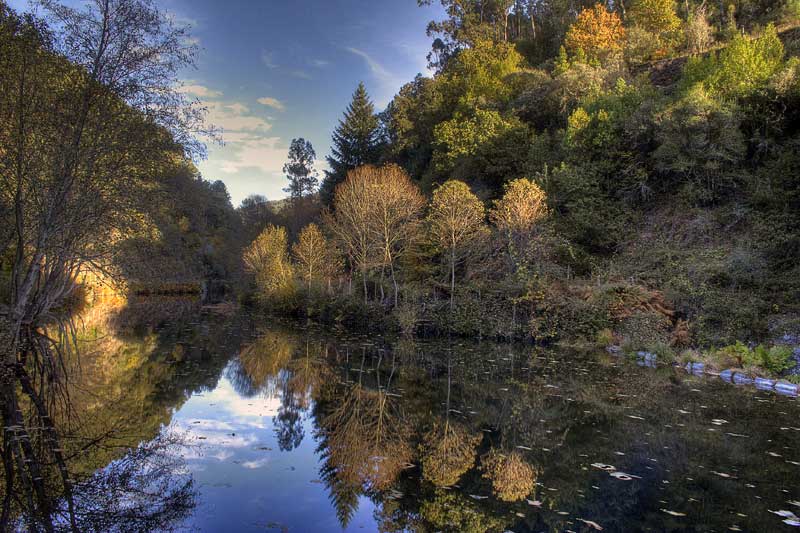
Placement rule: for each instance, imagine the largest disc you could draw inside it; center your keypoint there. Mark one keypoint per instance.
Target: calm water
(208, 420)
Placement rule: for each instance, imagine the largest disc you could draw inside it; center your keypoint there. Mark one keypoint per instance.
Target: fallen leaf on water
(592, 524)
(477, 497)
(535, 503)
(622, 476)
(673, 513)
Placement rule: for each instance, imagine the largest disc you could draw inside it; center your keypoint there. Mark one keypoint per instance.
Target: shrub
(774, 359)
(605, 337)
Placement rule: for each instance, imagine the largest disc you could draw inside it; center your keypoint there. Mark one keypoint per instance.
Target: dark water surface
(192, 418)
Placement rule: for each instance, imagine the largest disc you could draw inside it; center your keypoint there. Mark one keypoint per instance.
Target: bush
(774, 359)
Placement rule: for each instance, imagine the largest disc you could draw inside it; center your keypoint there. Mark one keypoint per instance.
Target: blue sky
(272, 70)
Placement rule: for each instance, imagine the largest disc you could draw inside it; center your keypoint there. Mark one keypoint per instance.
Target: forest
(625, 174)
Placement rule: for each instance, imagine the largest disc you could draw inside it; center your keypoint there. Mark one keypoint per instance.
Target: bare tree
(377, 214)
(350, 222)
(395, 222)
(456, 217)
(313, 255)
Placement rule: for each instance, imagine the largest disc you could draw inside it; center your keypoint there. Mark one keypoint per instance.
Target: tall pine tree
(300, 169)
(356, 142)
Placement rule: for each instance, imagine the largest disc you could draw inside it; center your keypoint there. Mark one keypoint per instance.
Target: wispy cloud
(319, 63)
(200, 91)
(235, 117)
(302, 74)
(375, 67)
(271, 102)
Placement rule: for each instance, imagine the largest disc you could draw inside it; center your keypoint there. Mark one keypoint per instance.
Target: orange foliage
(596, 32)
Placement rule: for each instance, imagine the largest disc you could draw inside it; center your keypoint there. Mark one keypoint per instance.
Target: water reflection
(191, 419)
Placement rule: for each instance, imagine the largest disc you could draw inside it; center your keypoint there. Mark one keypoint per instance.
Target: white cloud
(319, 63)
(303, 75)
(271, 102)
(257, 463)
(235, 117)
(200, 91)
(376, 68)
(268, 59)
(264, 154)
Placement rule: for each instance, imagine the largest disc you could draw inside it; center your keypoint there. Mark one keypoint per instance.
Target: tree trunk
(452, 276)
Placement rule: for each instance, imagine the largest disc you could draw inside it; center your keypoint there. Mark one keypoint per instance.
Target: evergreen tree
(300, 169)
(355, 142)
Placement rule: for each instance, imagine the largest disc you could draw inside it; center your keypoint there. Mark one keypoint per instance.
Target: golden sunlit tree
(268, 259)
(376, 211)
(596, 32)
(395, 220)
(313, 256)
(520, 208)
(455, 220)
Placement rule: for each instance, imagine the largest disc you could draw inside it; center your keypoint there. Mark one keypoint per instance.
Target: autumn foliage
(596, 32)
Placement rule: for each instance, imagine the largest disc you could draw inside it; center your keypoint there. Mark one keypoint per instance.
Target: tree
(520, 208)
(300, 169)
(656, 16)
(355, 142)
(349, 223)
(90, 109)
(255, 213)
(313, 255)
(268, 259)
(596, 33)
(701, 143)
(479, 74)
(456, 218)
(698, 32)
(397, 210)
(375, 215)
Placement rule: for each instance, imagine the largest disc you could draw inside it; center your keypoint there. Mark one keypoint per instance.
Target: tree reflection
(449, 449)
(142, 491)
(364, 440)
(512, 477)
(146, 490)
(288, 422)
(262, 360)
(454, 512)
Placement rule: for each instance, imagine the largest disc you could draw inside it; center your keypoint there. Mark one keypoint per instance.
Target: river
(191, 418)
